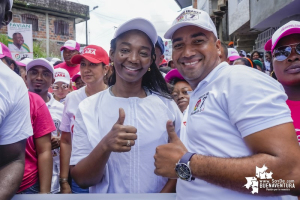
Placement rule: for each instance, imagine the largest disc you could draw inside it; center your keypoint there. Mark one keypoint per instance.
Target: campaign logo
(17, 56)
(60, 74)
(90, 51)
(188, 15)
(264, 180)
(199, 107)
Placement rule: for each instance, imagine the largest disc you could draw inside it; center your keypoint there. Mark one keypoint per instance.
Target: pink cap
(76, 76)
(174, 73)
(71, 45)
(233, 54)
(289, 28)
(4, 51)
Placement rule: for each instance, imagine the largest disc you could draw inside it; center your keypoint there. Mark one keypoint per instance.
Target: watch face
(183, 171)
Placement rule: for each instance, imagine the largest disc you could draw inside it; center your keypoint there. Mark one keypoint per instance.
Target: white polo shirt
(71, 106)
(56, 110)
(15, 123)
(231, 103)
(133, 171)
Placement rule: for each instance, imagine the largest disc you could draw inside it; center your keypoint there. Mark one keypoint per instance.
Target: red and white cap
(61, 75)
(76, 76)
(71, 45)
(194, 17)
(233, 54)
(92, 53)
(4, 51)
(141, 24)
(40, 62)
(289, 28)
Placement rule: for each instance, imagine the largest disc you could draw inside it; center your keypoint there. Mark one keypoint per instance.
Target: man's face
(18, 39)
(5, 13)
(288, 70)
(39, 79)
(195, 53)
(68, 54)
(159, 56)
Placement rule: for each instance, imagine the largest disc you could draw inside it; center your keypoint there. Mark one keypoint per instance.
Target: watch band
(186, 157)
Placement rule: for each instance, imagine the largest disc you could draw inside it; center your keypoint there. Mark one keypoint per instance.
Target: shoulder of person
(36, 100)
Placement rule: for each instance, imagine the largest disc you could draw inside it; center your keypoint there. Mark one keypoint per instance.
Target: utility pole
(86, 23)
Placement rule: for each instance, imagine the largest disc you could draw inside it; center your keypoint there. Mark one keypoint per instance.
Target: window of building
(31, 19)
(61, 27)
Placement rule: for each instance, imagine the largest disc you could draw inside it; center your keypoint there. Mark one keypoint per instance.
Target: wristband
(62, 180)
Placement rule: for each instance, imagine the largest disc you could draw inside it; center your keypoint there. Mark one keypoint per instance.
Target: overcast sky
(112, 13)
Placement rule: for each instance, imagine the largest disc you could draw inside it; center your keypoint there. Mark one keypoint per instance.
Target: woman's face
(61, 89)
(92, 72)
(132, 56)
(268, 57)
(255, 56)
(180, 95)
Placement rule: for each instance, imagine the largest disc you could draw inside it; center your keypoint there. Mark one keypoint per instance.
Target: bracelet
(62, 180)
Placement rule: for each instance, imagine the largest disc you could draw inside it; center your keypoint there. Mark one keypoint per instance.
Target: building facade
(53, 21)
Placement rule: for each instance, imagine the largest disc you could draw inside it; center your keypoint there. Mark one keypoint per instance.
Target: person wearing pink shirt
(285, 48)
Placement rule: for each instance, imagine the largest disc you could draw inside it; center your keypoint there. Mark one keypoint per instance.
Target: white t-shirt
(14, 48)
(228, 105)
(133, 171)
(56, 111)
(71, 106)
(15, 123)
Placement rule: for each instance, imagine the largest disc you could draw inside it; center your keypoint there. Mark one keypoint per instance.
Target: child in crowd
(61, 86)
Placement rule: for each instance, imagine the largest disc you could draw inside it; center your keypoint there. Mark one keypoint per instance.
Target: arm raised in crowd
(275, 147)
(11, 168)
(115, 141)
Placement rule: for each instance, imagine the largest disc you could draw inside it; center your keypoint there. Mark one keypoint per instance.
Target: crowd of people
(125, 121)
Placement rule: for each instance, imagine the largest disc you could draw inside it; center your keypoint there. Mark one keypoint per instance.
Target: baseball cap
(42, 62)
(289, 28)
(174, 73)
(139, 24)
(61, 75)
(71, 45)
(233, 54)
(243, 53)
(92, 53)
(76, 76)
(230, 43)
(54, 60)
(160, 44)
(23, 62)
(4, 51)
(194, 17)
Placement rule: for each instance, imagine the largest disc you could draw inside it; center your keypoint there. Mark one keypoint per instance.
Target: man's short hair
(225, 49)
(16, 34)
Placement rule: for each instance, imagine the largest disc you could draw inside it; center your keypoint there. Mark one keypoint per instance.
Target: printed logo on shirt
(57, 132)
(264, 180)
(59, 74)
(90, 51)
(199, 107)
(184, 123)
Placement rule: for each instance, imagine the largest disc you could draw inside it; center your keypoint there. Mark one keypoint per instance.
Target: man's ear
(218, 46)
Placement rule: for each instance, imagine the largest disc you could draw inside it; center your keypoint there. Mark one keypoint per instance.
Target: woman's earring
(149, 69)
(112, 64)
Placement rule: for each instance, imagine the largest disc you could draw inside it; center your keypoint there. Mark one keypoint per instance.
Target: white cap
(42, 62)
(194, 17)
(11, 4)
(54, 60)
(61, 75)
(292, 27)
(25, 61)
(243, 53)
(233, 54)
(71, 45)
(139, 24)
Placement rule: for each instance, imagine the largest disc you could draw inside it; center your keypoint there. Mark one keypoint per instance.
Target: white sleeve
(81, 147)
(15, 122)
(254, 101)
(178, 116)
(66, 117)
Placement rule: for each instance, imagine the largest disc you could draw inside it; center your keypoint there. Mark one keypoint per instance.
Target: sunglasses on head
(63, 86)
(283, 52)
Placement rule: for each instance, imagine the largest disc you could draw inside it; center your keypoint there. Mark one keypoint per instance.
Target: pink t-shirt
(42, 124)
(72, 70)
(295, 111)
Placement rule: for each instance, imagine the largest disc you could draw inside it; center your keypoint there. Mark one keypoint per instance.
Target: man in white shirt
(15, 124)
(238, 122)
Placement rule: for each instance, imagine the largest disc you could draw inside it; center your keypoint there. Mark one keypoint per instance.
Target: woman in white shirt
(116, 131)
(93, 68)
